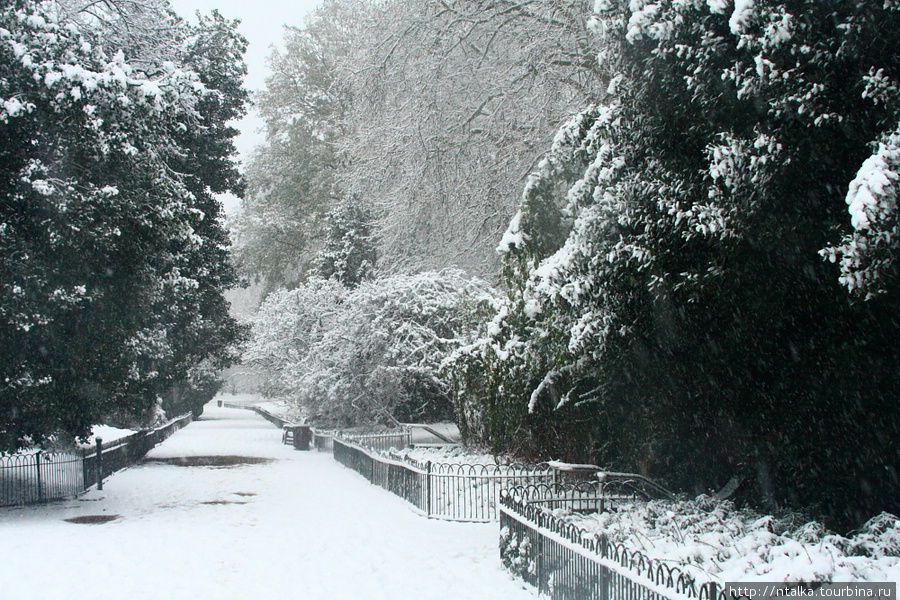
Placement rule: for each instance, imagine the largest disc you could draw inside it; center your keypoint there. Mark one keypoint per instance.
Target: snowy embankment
(713, 541)
(294, 525)
(107, 433)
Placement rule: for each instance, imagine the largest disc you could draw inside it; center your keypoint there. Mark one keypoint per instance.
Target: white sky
(261, 24)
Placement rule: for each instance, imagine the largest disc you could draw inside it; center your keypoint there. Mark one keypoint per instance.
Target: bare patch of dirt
(244, 493)
(92, 519)
(211, 461)
(218, 502)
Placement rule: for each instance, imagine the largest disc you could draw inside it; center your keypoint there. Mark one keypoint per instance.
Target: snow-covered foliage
(113, 138)
(668, 307)
(712, 540)
(291, 178)
(452, 106)
(867, 255)
(348, 254)
(290, 188)
(370, 353)
(290, 324)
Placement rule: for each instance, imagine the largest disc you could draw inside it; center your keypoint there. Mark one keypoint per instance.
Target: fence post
(99, 463)
(428, 488)
(604, 576)
(601, 487)
(84, 470)
(37, 463)
(713, 592)
(539, 544)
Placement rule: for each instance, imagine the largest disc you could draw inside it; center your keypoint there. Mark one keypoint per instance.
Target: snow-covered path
(301, 526)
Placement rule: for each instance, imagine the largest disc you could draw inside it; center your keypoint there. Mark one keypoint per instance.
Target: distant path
(300, 527)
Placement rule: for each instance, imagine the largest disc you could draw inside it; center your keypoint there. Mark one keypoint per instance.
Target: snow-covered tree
(430, 113)
(683, 322)
(292, 176)
(348, 253)
(290, 191)
(112, 257)
(369, 354)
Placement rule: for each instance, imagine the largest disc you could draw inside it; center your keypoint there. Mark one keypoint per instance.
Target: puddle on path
(211, 461)
(92, 519)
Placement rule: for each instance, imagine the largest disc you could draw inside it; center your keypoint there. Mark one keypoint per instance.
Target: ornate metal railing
(40, 477)
(454, 492)
(567, 563)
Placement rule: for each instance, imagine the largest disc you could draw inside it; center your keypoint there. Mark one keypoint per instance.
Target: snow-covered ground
(454, 455)
(300, 526)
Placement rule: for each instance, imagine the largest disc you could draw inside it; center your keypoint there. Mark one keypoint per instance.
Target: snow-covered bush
(289, 326)
(367, 354)
(711, 539)
(517, 555)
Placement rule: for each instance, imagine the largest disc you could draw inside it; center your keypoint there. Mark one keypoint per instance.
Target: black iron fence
(453, 492)
(40, 477)
(567, 563)
(44, 476)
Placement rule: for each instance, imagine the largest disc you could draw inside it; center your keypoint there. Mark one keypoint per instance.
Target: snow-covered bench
(298, 436)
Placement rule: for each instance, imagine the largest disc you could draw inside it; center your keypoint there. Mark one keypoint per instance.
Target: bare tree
(453, 104)
(431, 113)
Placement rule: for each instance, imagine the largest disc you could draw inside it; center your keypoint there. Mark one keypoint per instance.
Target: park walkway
(275, 524)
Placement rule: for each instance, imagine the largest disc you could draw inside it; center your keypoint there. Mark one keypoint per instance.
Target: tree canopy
(113, 258)
(673, 311)
(428, 114)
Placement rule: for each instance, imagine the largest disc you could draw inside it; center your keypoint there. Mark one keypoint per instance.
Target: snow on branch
(866, 255)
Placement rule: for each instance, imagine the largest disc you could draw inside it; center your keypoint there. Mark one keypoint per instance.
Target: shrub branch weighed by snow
(710, 539)
(370, 353)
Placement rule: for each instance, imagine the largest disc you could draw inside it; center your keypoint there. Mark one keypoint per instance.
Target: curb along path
(222, 510)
